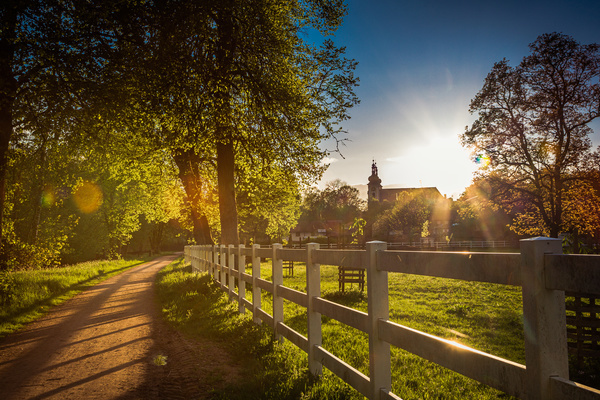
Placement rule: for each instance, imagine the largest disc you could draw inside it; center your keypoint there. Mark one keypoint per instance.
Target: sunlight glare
(443, 163)
(88, 197)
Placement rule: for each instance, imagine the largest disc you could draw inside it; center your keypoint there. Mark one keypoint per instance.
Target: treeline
(162, 116)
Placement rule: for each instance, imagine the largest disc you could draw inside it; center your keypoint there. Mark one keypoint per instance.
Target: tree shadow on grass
(350, 298)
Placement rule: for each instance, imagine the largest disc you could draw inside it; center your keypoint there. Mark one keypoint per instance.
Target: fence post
(277, 268)
(256, 300)
(313, 290)
(544, 319)
(230, 271)
(380, 365)
(241, 283)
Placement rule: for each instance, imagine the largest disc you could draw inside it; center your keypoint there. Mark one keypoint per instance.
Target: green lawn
(486, 317)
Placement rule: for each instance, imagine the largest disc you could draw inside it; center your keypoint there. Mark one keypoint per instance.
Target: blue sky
(420, 64)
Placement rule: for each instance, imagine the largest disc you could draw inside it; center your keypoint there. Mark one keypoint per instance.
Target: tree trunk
(227, 202)
(224, 55)
(187, 162)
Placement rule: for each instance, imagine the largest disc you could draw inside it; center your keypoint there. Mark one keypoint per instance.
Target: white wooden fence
(541, 269)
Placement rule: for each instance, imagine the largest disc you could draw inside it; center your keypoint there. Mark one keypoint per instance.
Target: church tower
(374, 186)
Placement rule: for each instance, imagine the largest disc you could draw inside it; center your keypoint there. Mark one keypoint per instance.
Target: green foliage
(409, 213)
(268, 202)
(103, 101)
(476, 217)
(358, 230)
(28, 294)
(337, 208)
(338, 201)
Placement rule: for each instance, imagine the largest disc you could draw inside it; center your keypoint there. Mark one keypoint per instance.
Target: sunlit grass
(486, 317)
(29, 294)
(483, 316)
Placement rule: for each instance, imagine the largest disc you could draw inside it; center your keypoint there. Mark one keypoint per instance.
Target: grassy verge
(484, 316)
(27, 295)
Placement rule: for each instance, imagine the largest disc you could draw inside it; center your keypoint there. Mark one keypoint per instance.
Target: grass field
(486, 317)
(27, 295)
(483, 316)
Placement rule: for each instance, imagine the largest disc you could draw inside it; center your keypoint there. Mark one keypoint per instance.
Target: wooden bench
(289, 267)
(351, 275)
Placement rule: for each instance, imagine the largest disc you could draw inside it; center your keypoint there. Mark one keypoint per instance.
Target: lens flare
(48, 197)
(482, 160)
(88, 197)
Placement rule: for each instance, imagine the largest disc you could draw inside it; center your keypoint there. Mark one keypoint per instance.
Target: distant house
(439, 226)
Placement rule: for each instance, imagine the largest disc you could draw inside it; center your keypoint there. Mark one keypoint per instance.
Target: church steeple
(374, 185)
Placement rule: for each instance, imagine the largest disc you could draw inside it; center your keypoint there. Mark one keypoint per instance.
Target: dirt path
(103, 344)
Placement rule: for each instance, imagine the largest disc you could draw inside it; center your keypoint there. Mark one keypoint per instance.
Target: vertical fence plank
(544, 319)
(277, 268)
(218, 265)
(256, 300)
(313, 290)
(241, 268)
(378, 307)
(197, 252)
(231, 274)
(222, 263)
(213, 260)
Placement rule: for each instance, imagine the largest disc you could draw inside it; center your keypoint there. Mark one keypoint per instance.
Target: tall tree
(533, 124)
(49, 51)
(236, 78)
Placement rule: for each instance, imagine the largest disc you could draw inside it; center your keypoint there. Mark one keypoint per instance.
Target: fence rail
(540, 269)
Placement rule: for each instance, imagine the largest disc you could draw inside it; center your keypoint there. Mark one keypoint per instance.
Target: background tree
(338, 201)
(268, 203)
(49, 51)
(408, 215)
(339, 204)
(533, 125)
(476, 217)
(273, 94)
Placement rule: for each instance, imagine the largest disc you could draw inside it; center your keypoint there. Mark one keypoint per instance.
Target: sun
(442, 163)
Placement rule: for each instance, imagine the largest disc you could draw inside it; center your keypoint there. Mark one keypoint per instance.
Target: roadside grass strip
(27, 295)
